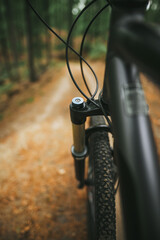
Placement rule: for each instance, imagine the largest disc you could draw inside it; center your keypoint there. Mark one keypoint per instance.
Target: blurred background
(27, 48)
(38, 194)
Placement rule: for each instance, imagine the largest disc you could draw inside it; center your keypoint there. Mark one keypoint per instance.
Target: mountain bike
(133, 159)
(129, 161)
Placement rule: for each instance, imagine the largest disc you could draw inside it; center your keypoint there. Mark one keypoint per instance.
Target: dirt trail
(38, 195)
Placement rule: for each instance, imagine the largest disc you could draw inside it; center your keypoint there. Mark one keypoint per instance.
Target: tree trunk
(29, 43)
(48, 35)
(4, 48)
(12, 37)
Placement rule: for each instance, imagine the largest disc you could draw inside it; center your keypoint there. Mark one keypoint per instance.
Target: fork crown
(78, 115)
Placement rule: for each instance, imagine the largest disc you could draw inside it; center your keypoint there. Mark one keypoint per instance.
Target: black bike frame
(133, 44)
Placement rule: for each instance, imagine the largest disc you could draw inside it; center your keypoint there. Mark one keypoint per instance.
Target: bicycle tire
(100, 191)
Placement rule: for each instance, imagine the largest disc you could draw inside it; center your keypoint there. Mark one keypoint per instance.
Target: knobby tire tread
(101, 160)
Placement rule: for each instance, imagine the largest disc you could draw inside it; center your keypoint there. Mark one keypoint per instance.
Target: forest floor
(38, 194)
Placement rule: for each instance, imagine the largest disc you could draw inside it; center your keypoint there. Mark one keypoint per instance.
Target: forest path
(38, 194)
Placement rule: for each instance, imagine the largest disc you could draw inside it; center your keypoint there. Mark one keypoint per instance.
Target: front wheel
(100, 192)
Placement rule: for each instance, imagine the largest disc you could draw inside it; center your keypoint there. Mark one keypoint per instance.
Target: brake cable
(68, 46)
(82, 44)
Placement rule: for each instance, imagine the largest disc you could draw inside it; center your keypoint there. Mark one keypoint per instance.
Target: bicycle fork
(79, 111)
(79, 149)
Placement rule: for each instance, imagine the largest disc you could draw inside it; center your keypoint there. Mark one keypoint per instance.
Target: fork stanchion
(79, 149)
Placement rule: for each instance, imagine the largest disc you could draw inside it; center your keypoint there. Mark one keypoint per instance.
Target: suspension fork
(79, 111)
(79, 149)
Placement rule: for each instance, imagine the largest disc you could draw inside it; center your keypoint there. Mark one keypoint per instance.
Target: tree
(11, 29)
(48, 36)
(29, 43)
(4, 45)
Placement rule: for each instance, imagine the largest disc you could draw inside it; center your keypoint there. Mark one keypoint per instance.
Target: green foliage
(97, 50)
(6, 88)
(30, 100)
(24, 39)
(60, 64)
(26, 45)
(60, 46)
(1, 116)
(57, 64)
(26, 101)
(153, 11)
(4, 75)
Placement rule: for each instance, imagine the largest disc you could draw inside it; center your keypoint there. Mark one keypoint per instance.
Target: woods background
(39, 198)
(27, 48)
